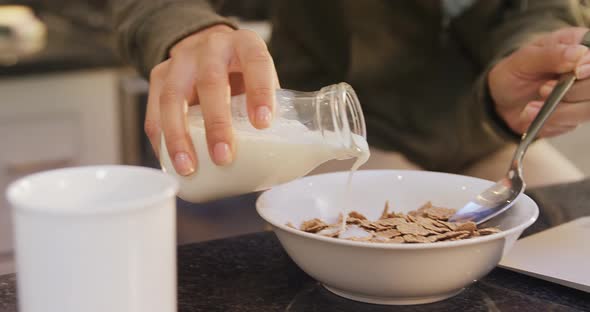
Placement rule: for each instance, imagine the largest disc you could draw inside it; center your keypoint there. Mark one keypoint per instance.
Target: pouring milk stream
(309, 129)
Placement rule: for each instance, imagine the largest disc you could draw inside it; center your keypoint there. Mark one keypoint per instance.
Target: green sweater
(419, 72)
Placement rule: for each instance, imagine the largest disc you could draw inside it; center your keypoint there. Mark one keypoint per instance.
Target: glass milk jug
(308, 129)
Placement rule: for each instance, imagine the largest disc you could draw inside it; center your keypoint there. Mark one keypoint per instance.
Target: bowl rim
(471, 241)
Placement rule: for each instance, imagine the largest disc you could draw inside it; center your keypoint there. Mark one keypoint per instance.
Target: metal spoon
(500, 196)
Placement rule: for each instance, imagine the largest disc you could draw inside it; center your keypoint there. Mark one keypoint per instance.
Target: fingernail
(263, 115)
(183, 164)
(222, 153)
(573, 53)
(583, 71)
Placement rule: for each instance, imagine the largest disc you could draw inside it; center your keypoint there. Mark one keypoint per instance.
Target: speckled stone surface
(8, 293)
(253, 273)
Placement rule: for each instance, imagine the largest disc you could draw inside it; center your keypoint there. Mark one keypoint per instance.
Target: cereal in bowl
(428, 224)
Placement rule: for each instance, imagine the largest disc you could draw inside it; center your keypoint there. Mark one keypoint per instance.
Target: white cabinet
(51, 121)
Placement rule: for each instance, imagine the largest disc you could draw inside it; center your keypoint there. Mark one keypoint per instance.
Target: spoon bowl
(492, 201)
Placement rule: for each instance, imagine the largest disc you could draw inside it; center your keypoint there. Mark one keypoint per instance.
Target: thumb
(548, 59)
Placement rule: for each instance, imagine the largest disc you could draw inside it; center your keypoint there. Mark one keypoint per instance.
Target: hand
(206, 68)
(521, 82)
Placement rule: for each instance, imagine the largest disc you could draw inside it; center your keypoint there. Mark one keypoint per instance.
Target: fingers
(259, 77)
(568, 36)
(549, 59)
(152, 116)
(529, 74)
(583, 67)
(213, 87)
(174, 97)
(579, 92)
(567, 116)
(201, 70)
(557, 124)
(573, 36)
(570, 114)
(556, 52)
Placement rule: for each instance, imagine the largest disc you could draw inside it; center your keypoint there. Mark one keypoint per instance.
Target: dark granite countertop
(253, 273)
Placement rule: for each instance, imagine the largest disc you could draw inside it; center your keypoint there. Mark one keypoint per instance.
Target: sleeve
(146, 30)
(492, 29)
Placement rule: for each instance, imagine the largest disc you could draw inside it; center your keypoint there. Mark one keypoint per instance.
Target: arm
(492, 29)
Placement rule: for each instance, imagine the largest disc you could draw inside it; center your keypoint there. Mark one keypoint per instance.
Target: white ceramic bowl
(389, 273)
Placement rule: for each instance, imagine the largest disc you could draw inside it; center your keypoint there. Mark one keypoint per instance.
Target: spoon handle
(563, 85)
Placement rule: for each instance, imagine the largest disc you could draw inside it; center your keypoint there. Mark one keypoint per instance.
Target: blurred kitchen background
(67, 99)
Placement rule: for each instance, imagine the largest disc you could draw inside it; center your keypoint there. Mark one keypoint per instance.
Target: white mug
(95, 239)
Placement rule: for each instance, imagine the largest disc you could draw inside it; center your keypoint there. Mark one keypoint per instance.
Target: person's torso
(409, 71)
